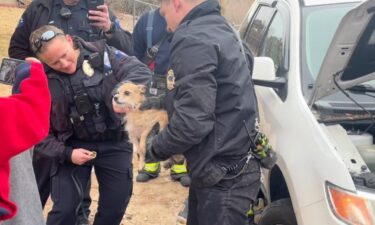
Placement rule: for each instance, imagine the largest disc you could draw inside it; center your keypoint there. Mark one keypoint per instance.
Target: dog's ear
(116, 88)
(142, 88)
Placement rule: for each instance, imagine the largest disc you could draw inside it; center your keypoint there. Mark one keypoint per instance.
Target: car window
(257, 28)
(320, 26)
(268, 35)
(274, 41)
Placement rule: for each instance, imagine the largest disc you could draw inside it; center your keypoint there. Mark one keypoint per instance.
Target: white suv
(314, 64)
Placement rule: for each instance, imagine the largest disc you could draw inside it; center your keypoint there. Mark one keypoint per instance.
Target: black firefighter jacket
(37, 14)
(56, 145)
(213, 95)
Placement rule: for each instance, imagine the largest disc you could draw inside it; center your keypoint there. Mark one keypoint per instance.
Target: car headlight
(351, 208)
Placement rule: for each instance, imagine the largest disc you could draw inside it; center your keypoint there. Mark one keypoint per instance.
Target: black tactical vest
(88, 113)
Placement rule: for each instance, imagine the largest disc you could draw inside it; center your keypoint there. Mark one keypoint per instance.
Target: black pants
(113, 170)
(149, 159)
(227, 202)
(43, 169)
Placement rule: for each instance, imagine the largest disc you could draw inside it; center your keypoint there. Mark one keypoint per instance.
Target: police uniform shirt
(80, 84)
(77, 23)
(91, 82)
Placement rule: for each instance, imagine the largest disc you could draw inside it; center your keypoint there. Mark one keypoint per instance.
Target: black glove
(155, 93)
(22, 72)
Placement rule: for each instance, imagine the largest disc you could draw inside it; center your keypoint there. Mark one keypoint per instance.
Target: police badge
(170, 79)
(87, 69)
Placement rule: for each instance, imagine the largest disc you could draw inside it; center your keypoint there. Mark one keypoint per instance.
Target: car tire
(279, 212)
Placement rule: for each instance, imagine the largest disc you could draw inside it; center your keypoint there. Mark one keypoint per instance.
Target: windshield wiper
(362, 88)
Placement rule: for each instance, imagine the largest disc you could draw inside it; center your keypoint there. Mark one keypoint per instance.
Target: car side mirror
(264, 73)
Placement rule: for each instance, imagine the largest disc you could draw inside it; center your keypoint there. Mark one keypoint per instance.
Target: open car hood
(350, 59)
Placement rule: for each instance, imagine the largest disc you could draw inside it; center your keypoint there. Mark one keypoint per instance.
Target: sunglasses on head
(45, 37)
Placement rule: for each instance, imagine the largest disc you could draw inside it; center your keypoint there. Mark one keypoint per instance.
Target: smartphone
(8, 70)
(92, 4)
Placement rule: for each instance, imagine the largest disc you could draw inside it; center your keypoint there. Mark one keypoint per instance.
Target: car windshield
(318, 28)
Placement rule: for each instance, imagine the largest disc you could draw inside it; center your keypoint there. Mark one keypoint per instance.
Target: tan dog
(139, 123)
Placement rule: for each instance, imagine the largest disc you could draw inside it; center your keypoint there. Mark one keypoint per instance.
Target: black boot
(148, 172)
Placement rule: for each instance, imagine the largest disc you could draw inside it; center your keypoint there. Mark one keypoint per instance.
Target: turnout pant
(113, 169)
(227, 202)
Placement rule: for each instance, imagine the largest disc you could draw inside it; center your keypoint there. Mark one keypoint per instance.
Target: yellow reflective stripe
(151, 167)
(179, 168)
(250, 213)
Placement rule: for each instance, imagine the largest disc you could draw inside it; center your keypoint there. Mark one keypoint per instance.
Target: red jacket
(24, 121)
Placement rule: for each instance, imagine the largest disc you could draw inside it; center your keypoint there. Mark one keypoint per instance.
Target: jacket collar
(95, 46)
(60, 3)
(209, 7)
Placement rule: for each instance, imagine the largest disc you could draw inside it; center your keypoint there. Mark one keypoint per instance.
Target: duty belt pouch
(211, 175)
(100, 125)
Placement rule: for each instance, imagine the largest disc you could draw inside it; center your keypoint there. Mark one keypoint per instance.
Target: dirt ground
(154, 203)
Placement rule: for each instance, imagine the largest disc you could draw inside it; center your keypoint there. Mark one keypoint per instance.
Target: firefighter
(151, 46)
(213, 107)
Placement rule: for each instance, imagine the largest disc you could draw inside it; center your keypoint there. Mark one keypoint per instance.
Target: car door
(267, 34)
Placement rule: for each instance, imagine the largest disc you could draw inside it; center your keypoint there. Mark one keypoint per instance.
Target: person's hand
(119, 108)
(32, 60)
(81, 156)
(100, 18)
